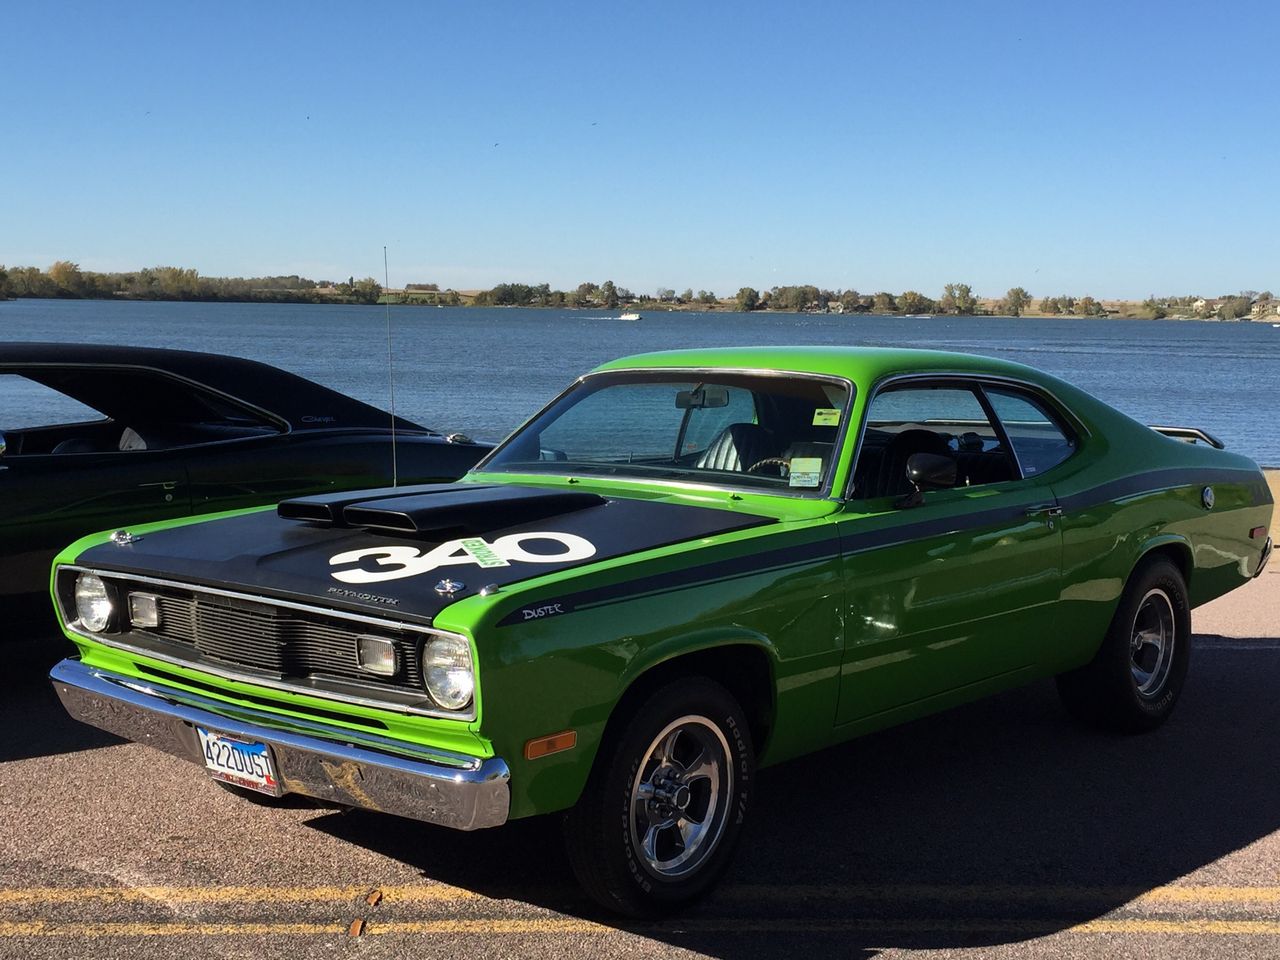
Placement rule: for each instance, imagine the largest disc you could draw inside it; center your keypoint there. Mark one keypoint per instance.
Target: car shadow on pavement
(32, 720)
(993, 823)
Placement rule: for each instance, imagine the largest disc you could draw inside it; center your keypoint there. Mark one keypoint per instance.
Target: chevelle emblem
(395, 562)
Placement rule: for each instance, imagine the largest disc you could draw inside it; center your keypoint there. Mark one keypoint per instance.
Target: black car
(145, 434)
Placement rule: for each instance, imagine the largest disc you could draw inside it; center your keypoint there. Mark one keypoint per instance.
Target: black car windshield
(775, 431)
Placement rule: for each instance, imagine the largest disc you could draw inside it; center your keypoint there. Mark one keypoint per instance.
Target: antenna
(391, 370)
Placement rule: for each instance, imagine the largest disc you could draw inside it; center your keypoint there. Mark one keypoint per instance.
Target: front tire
(660, 817)
(1137, 675)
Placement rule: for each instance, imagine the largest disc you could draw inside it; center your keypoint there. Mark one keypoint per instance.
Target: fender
(1179, 543)
(698, 641)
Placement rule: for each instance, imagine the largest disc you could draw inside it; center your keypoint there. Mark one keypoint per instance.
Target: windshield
(777, 432)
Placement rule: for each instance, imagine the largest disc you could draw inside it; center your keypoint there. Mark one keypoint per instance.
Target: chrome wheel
(1151, 643)
(681, 797)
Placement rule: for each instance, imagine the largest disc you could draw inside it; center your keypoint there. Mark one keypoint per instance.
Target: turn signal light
(555, 743)
(1257, 533)
(376, 655)
(144, 610)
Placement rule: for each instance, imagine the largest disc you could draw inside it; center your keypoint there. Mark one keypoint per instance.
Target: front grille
(282, 645)
(285, 642)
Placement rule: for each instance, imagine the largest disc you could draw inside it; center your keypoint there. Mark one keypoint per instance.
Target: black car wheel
(1134, 680)
(660, 817)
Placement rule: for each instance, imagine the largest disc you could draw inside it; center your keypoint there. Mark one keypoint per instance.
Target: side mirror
(931, 470)
(3, 445)
(927, 471)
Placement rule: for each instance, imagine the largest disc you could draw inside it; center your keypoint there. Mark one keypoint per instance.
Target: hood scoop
(327, 508)
(465, 510)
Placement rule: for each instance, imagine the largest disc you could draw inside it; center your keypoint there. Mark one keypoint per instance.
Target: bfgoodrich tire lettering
(1134, 680)
(660, 817)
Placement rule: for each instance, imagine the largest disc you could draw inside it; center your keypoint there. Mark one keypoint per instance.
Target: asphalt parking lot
(995, 830)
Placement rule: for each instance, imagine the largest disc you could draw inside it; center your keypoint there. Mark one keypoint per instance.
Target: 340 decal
(396, 562)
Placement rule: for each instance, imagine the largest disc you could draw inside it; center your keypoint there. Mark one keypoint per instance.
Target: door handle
(1046, 509)
(168, 486)
(1050, 511)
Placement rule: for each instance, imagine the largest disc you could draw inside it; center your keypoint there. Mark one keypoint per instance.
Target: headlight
(93, 603)
(446, 666)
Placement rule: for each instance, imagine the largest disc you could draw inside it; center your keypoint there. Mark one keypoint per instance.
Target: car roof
(91, 374)
(860, 364)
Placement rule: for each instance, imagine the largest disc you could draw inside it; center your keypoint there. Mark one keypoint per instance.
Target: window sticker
(826, 417)
(805, 472)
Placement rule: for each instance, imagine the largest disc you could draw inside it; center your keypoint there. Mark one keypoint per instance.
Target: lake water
(482, 371)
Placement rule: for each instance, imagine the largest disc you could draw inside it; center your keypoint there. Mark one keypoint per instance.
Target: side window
(27, 405)
(1038, 438)
(944, 420)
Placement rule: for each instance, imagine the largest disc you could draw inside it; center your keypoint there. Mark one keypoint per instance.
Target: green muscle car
(686, 567)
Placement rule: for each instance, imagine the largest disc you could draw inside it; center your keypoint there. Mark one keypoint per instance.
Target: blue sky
(1117, 149)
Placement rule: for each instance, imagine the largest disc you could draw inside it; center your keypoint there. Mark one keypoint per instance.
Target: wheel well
(742, 669)
(1178, 553)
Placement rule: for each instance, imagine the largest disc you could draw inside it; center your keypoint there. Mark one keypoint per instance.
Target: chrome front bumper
(327, 762)
(1262, 560)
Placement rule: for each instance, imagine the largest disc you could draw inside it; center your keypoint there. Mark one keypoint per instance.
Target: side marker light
(555, 743)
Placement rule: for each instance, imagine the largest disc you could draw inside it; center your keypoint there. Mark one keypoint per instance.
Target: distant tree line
(608, 295)
(1081, 307)
(1247, 303)
(957, 298)
(66, 280)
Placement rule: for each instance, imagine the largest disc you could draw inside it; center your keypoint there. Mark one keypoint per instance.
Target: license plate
(244, 763)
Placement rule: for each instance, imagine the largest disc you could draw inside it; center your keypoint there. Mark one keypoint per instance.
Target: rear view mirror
(702, 397)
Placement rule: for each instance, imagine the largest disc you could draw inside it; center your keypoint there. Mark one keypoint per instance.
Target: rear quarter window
(1039, 439)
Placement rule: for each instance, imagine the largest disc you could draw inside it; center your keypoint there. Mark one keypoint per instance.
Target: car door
(248, 472)
(51, 499)
(954, 590)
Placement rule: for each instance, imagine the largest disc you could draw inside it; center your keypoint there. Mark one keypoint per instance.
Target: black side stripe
(824, 548)
(830, 544)
(858, 542)
(1157, 480)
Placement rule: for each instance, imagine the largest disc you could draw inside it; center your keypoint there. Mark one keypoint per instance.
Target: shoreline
(643, 309)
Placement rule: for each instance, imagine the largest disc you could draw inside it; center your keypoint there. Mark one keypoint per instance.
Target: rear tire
(1137, 675)
(661, 814)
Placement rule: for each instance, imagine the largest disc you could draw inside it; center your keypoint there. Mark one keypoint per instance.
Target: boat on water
(629, 315)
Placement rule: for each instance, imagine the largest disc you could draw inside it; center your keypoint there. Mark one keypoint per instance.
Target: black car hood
(402, 550)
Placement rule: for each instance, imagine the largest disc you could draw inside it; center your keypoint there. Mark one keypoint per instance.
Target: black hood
(392, 549)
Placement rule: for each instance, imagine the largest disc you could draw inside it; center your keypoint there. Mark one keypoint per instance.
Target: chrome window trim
(826, 491)
(974, 377)
(998, 426)
(115, 642)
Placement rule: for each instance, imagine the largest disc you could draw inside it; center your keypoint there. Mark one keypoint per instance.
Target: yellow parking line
(36, 928)
(224, 894)
(435, 893)
(40, 928)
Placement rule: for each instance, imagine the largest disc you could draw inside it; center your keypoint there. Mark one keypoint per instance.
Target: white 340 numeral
(398, 562)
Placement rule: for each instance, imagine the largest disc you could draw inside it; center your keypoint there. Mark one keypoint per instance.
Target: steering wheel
(782, 463)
